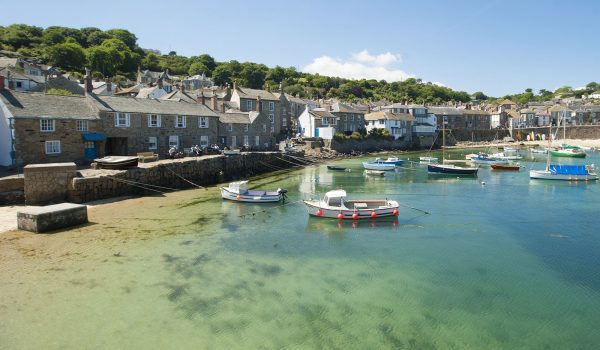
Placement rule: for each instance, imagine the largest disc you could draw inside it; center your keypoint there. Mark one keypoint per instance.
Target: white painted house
(317, 122)
(397, 124)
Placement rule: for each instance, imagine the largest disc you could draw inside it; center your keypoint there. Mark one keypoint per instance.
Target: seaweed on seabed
(196, 201)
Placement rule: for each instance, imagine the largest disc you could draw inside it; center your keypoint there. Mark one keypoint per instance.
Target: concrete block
(51, 217)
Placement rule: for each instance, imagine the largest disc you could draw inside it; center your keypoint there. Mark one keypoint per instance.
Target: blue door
(316, 132)
(90, 150)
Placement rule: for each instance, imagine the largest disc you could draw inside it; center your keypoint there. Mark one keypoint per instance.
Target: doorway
(116, 146)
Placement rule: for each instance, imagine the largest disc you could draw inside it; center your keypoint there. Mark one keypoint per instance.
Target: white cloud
(383, 59)
(361, 65)
(438, 83)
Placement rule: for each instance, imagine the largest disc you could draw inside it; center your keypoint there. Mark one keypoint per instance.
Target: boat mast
(443, 139)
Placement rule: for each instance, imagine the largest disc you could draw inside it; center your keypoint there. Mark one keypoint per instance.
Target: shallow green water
(509, 264)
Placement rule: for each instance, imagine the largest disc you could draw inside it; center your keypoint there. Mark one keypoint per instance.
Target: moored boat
(375, 172)
(514, 167)
(336, 168)
(568, 152)
(428, 159)
(334, 205)
(116, 162)
(484, 158)
(231, 152)
(238, 191)
(565, 173)
(378, 166)
(451, 169)
(390, 160)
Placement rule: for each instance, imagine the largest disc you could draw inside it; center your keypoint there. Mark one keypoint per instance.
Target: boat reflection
(332, 226)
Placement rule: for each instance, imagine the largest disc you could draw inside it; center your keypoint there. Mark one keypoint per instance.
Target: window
(264, 127)
(152, 142)
(230, 127)
(19, 84)
(204, 141)
(246, 143)
(203, 122)
(352, 118)
(47, 125)
(272, 118)
(180, 121)
(122, 120)
(256, 140)
(283, 122)
(174, 141)
(333, 121)
(345, 117)
(249, 105)
(272, 129)
(52, 147)
(82, 125)
(246, 127)
(324, 121)
(271, 106)
(153, 121)
(233, 141)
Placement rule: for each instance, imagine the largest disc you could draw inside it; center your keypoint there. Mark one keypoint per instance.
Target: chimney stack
(234, 86)
(215, 105)
(281, 88)
(159, 82)
(183, 87)
(223, 107)
(89, 88)
(258, 104)
(108, 85)
(227, 91)
(200, 98)
(2, 82)
(11, 84)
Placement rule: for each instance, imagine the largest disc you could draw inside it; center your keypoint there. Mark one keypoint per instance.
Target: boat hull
(569, 153)
(445, 169)
(379, 166)
(505, 167)
(335, 168)
(375, 172)
(547, 175)
(314, 209)
(116, 162)
(250, 196)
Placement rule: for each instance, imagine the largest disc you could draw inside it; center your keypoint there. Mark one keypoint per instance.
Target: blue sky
(495, 46)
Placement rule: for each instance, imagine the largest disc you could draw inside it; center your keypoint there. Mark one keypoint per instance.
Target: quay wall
(368, 145)
(460, 135)
(578, 132)
(47, 183)
(201, 171)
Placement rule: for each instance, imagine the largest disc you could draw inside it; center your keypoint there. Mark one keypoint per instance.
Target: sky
(496, 46)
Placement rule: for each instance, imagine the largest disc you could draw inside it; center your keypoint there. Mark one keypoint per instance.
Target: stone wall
(458, 135)
(11, 190)
(203, 171)
(47, 183)
(582, 132)
(367, 145)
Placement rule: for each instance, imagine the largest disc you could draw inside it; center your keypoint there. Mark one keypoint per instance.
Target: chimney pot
(89, 88)
(223, 107)
(200, 98)
(108, 85)
(258, 104)
(215, 105)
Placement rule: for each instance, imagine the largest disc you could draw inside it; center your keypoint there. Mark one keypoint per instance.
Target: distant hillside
(115, 53)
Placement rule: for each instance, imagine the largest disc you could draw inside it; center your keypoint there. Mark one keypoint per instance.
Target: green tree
(21, 35)
(151, 61)
(222, 75)
(56, 35)
(96, 38)
(69, 56)
(124, 35)
(197, 68)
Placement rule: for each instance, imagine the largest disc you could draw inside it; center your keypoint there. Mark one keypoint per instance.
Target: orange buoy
(319, 212)
(373, 214)
(355, 216)
(238, 197)
(340, 216)
(395, 212)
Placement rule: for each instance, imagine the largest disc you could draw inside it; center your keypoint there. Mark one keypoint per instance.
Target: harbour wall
(203, 171)
(374, 145)
(12, 190)
(578, 132)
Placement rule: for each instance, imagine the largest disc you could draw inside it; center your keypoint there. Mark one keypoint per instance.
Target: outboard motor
(282, 192)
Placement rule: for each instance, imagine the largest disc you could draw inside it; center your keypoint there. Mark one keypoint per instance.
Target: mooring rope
(186, 180)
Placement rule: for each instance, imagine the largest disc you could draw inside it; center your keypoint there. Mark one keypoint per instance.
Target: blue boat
(390, 160)
(450, 169)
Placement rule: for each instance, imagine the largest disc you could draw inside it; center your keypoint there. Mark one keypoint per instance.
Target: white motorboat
(231, 152)
(334, 205)
(116, 162)
(378, 166)
(428, 160)
(375, 172)
(505, 156)
(238, 191)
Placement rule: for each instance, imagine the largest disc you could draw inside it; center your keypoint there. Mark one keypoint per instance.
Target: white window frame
(180, 121)
(81, 125)
(154, 123)
(271, 106)
(47, 125)
(257, 140)
(333, 121)
(272, 118)
(152, 142)
(203, 140)
(246, 140)
(52, 147)
(118, 120)
(284, 122)
(324, 121)
(229, 127)
(272, 129)
(173, 141)
(264, 127)
(233, 141)
(203, 122)
(249, 104)
(246, 127)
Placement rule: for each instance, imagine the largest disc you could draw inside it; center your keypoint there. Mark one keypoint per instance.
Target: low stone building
(350, 119)
(43, 128)
(135, 125)
(247, 100)
(248, 129)
(397, 125)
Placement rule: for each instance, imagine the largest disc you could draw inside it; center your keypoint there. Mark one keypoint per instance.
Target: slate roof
(339, 107)
(14, 74)
(507, 102)
(36, 105)
(253, 94)
(474, 112)
(444, 110)
(178, 95)
(149, 105)
(320, 113)
(61, 83)
(389, 116)
(234, 118)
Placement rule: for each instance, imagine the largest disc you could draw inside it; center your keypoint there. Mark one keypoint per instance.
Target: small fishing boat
(231, 152)
(538, 150)
(514, 167)
(471, 156)
(378, 166)
(484, 158)
(238, 191)
(565, 173)
(390, 160)
(428, 159)
(336, 168)
(506, 156)
(451, 169)
(334, 205)
(568, 152)
(116, 162)
(375, 172)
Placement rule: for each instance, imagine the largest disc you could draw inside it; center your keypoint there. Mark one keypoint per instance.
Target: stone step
(51, 217)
